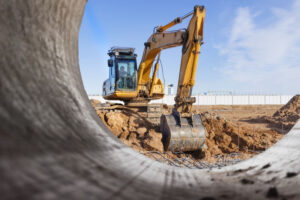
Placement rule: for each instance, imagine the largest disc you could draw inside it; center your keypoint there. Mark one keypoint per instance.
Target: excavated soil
(132, 129)
(238, 131)
(288, 115)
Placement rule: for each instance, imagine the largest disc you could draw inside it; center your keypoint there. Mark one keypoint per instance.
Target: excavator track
(182, 134)
(152, 112)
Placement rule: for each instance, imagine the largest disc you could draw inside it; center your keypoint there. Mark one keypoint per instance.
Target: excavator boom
(183, 131)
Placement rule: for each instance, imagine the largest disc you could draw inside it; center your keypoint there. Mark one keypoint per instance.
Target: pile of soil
(225, 137)
(289, 114)
(286, 117)
(290, 111)
(132, 129)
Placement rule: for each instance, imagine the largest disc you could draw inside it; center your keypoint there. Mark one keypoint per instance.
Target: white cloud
(265, 57)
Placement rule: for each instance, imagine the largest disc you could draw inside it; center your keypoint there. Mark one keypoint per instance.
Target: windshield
(126, 74)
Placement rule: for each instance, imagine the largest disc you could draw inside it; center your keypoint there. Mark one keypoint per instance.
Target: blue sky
(250, 46)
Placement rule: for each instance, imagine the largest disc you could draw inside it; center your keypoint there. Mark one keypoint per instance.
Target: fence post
(215, 99)
(280, 100)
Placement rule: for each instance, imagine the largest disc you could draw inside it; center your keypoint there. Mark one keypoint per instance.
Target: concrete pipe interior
(53, 145)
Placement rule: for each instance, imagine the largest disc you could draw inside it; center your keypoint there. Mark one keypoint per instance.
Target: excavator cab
(122, 73)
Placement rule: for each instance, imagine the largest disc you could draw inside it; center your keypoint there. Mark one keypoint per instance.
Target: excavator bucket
(182, 133)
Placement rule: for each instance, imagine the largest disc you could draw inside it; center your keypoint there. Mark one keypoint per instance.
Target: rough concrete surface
(53, 145)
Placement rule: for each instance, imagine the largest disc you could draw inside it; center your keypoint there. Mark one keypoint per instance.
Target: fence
(202, 99)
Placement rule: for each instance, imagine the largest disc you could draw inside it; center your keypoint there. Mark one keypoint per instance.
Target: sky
(249, 46)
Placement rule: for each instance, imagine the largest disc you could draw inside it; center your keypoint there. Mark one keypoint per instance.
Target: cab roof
(121, 51)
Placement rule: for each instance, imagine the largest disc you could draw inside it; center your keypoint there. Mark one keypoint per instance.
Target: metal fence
(224, 99)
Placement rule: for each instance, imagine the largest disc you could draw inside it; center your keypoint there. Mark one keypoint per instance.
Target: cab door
(109, 84)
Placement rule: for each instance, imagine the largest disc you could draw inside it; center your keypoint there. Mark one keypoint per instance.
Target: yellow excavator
(182, 130)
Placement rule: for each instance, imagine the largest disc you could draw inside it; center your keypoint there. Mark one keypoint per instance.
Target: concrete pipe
(53, 145)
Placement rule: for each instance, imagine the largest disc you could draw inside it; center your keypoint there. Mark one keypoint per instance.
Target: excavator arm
(183, 131)
(190, 39)
(154, 45)
(151, 87)
(189, 61)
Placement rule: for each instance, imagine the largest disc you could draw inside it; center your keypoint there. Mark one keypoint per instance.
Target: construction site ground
(235, 133)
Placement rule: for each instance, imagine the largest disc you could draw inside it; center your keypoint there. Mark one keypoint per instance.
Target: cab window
(126, 74)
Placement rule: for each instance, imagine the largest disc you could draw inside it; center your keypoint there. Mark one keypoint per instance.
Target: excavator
(182, 131)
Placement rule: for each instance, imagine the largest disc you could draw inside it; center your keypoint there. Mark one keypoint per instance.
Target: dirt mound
(286, 117)
(290, 112)
(225, 137)
(133, 129)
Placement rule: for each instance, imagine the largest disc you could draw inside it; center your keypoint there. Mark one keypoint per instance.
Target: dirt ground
(236, 131)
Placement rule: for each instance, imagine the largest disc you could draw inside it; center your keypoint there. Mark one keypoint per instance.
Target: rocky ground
(235, 132)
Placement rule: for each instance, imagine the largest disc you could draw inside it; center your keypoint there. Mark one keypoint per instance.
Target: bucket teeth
(182, 133)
